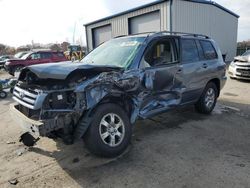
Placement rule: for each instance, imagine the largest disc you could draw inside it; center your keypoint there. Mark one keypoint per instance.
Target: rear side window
(189, 50)
(208, 50)
(46, 55)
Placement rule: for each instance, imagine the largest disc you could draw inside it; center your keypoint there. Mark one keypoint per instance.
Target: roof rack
(183, 34)
(142, 33)
(167, 32)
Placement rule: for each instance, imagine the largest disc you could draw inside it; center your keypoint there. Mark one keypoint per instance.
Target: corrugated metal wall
(207, 19)
(120, 24)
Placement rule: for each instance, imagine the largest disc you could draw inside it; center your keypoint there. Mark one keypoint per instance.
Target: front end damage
(55, 104)
(48, 107)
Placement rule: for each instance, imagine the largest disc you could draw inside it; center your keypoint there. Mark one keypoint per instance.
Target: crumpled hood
(62, 70)
(242, 58)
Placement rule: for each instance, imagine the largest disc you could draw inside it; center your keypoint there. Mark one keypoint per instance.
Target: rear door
(161, 67)
(194, 70)
(46, 57)
(58, 57)
(209, 59)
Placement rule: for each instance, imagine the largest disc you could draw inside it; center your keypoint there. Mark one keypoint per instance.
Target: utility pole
(74, 32)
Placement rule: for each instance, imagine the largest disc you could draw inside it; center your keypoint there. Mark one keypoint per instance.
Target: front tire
(3, 94)
(110, 131)
(208, 99)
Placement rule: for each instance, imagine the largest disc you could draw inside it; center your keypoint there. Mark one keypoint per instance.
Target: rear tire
(110, 131)
(208, 99)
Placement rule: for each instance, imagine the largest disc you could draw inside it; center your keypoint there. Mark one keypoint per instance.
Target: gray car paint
(149, 90)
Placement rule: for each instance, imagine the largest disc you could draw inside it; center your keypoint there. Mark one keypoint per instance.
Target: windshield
(118, 52)
(246, 53)
(20, 54)
(26, 56)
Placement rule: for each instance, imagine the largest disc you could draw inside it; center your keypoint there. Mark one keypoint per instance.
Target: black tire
(3, 94)
(201, 106)
(92, 138)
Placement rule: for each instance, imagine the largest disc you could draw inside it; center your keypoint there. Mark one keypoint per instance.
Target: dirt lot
(177, 149)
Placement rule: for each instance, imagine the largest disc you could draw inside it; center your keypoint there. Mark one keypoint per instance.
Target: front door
(161, 78)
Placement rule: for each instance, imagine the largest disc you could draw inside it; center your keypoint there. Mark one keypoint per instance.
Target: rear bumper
(36, 127)
(223, 82)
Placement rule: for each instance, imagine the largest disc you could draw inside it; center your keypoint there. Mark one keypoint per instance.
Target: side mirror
(149, 79)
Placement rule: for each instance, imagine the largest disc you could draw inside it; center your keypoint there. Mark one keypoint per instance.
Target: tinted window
(208, 50)
(189, 51)
(35, 56)
(46, 55)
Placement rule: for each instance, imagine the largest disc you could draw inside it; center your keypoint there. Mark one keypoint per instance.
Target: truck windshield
(118, 52)
(247, 53)
(26, 56)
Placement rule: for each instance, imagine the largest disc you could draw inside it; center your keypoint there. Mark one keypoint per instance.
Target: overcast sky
(49, 21)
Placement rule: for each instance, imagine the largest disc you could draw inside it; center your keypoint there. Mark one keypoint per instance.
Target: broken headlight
(61, 100)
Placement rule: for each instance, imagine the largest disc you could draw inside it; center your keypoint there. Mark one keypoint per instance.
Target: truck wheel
(208, 99)
(110, 131)
(3, 94)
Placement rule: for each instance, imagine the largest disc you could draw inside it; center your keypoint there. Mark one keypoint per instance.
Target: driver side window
(35, 56)
(160, 53)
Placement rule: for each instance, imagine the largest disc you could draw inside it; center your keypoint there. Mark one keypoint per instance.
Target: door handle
(204, 66)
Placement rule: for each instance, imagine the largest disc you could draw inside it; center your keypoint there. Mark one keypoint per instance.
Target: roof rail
(183, 33)
(167, 32)
(142, 33)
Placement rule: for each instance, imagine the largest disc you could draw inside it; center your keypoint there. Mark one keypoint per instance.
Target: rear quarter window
(59, 54)
(189, 50)
(208, 50)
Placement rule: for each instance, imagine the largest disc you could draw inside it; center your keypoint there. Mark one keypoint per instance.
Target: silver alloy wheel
(112, 129)
(210, 98)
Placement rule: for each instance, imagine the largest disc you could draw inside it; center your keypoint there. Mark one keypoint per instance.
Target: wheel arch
(216, 81)
(125, 102)
(122, 101)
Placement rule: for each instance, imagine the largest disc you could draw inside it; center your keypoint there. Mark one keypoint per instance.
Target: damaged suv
(124, 79)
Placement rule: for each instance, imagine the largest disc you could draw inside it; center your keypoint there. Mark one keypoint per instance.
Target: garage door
(145, 23)
(101, 34)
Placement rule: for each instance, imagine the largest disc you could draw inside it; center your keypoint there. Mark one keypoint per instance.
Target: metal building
(192, 16)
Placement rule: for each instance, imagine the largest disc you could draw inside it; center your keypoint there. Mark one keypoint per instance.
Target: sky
(53, 21)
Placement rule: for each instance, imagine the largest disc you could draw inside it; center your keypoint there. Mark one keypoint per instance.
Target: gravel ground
(177, 149)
